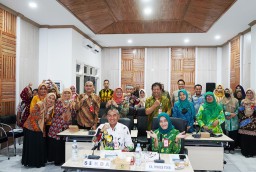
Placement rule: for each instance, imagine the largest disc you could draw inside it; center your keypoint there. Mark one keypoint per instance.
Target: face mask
(227, 95)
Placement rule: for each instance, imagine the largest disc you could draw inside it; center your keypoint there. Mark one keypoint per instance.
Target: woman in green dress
(170, 142)
(210, 115)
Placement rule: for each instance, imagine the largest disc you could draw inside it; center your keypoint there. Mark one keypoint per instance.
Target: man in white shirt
(114, 135)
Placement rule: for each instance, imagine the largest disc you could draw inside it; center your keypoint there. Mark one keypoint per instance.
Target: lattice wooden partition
(132, 71)
(7, 62)
(183, 67)
(235, 63)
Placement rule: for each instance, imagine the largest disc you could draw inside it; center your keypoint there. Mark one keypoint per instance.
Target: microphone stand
(92, 156)
(159, 148)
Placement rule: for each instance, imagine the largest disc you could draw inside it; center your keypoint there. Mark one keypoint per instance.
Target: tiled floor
(235, 163)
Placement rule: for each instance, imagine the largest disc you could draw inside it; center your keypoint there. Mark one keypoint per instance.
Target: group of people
(48, 112)
(219, 111)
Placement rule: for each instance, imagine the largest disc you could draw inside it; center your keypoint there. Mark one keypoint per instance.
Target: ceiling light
(129, 41)
(186, 40)
(217, 37)
(32, 5)
(147, 11)
(134, 51)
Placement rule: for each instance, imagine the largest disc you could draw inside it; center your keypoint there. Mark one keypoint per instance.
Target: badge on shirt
(166, 143)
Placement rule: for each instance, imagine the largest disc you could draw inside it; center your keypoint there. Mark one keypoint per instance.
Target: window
(78, 68)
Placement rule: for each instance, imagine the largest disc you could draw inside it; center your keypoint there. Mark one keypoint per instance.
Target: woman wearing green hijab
(170, 142)
(210, 115)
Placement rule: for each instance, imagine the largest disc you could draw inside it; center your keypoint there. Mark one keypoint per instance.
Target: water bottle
(74, 151)
(138, 154)
(160, 109)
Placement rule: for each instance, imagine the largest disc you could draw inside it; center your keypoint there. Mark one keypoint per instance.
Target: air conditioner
(97, 49)
(87, 43)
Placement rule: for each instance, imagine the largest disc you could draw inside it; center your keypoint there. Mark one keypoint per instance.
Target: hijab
(118, 100)
(249, 103)
(170, 126)
(44, 109)
(183, 103)
(144, 98)
(66, 115)
(242, 91)
(219, 95)
(211, 109)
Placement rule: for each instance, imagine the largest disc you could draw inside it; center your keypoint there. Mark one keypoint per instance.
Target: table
(69, 164)
(206, 153)
(84, 140)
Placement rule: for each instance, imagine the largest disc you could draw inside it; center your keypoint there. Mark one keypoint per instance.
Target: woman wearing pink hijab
(73, 90)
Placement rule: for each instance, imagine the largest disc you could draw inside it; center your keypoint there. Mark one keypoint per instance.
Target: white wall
(225, 65)
(55, 55)
(59, 52)
(246, 61)
(27, 56)
(110, 68)
(157, 67)
(206, 66)
(85, 56)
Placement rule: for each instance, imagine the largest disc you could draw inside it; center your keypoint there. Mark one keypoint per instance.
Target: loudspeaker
(210, 86)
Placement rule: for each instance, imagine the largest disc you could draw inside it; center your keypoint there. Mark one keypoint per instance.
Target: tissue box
(205, 135)
(73, 128)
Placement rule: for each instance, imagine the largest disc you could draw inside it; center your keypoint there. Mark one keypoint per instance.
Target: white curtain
(157, 67)
(225, 66)
(110, 68)
(206, 66)
(246, 61)
(29, 52)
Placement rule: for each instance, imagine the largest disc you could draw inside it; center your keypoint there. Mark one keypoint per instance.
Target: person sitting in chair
(171, 137)
(114, 135)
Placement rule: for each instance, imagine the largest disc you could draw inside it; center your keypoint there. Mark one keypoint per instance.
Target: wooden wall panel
(235, 63)
(132, 69)
(7, 62)
(183, 67)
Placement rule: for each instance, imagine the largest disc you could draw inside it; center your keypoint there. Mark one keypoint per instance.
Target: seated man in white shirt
(114, 135)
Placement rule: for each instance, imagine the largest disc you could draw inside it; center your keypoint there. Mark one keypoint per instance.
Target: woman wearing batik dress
(247, 130)
(61, 120)
(34, 143)
(171, 138)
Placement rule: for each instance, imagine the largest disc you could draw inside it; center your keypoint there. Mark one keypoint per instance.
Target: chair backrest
(142, 122)
(125, 121)
(132, 112)
(178, 124)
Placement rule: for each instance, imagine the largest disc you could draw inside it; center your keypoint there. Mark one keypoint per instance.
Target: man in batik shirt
(156, 103)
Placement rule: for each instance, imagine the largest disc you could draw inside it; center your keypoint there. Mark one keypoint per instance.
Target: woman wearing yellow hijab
(219, 93)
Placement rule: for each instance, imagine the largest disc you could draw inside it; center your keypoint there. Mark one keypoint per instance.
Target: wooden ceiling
(168, 16)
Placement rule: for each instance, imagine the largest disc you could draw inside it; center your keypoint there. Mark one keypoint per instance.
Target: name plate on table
(91, 163)
(159, 167)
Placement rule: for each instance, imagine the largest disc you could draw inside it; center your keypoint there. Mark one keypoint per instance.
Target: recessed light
(129, 41)
(147, 11)
(134, 51)
(32, 5)
(217, 37)
(186, 40)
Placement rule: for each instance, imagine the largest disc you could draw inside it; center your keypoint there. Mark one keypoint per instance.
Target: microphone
(159, 148)
(96, 145)
(197, 135)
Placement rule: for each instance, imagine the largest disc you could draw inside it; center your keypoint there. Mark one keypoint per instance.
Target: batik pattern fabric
(60, 122)
(197, 101)
(117, 138)
(26, 99)
(106, 95)
(87, 108)
(247, 112)
(165, 108)
(173, 147)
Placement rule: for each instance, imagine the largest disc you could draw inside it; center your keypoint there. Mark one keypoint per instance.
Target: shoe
(226, 151)
(232, 151)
